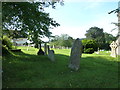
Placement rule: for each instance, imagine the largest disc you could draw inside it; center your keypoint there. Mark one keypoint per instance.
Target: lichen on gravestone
(76, 53)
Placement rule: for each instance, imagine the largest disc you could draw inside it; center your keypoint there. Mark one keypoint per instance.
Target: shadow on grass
(21, 56)
(38, 71)
(88, 61)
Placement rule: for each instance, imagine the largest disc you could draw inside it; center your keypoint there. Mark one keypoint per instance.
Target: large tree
(118, 15)
(96, 34)
(29, 18)
(103, 39)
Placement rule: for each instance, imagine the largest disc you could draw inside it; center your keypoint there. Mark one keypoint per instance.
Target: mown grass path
(28, 70)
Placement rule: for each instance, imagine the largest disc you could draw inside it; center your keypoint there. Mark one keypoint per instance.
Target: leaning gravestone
(51, 55)
(75, 55)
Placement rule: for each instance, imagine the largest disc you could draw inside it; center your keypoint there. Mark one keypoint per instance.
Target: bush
(6, 41)
(89, 46)
(89, 50)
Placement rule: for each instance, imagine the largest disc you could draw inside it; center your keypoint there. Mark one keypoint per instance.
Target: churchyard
(62, 61)
(26, 69)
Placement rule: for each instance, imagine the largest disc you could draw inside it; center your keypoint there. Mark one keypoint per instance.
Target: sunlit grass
(28, 70)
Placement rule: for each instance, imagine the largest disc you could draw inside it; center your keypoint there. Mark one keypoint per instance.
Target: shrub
(89, 46)
(89, 50)
(6, 41)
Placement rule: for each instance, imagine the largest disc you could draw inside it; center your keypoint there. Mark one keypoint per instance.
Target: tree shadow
(26, 57)
(91, 59)
(99, 63)
(91, 68)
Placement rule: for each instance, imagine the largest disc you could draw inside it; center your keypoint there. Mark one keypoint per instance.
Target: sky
(77, 16)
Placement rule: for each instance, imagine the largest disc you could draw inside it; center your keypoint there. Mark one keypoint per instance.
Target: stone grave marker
(51, 55)
(76, 52)
(113, 46)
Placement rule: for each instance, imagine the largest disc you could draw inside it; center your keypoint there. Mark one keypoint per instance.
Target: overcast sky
(77, 16)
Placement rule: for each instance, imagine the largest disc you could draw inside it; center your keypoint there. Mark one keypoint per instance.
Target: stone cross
(113, 46)
(76, 52)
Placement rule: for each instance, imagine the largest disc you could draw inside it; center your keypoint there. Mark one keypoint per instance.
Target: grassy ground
(28, 70)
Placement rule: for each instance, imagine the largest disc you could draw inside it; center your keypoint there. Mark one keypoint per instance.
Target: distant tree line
(95, 39)
(64, 40)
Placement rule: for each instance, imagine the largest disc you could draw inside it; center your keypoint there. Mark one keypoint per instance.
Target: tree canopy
(62, 40)
(27, 17)
(102, 38)
(95, 33)
(118, 15)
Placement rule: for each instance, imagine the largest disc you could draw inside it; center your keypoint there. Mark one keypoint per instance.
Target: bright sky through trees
(77, 16)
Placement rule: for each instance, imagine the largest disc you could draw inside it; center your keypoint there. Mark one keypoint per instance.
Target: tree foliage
(96, 34)
(29, 18)
(62, 40)
(89, 46)
(109, 38)
(102, 39)
(118, 15)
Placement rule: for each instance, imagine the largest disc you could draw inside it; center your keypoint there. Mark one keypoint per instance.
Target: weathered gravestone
(113, 46)
(76, 52)
(51, 55)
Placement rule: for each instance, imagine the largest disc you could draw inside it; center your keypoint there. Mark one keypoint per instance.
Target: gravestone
(113, 46)
(76, 52)
(51, 55)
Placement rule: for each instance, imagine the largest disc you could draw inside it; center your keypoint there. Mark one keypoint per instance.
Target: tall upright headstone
(76, 52)
(51, 55)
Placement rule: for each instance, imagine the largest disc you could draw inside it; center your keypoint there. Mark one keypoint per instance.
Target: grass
(28, 70)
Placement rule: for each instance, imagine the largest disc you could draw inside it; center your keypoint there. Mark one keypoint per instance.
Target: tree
(108, 40)
(118, 15)
(62, 40)
(96, 34)
(28, 17)
(14, 34)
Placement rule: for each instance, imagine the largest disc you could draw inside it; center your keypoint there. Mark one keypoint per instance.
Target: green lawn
(28, 70)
